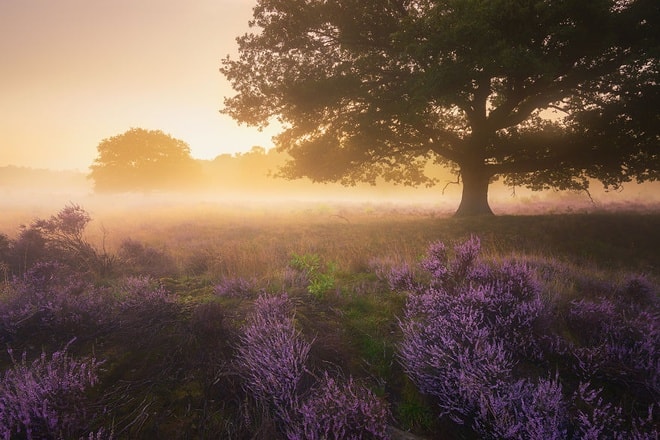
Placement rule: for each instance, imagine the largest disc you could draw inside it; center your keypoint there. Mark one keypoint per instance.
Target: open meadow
(328, 320)
(330, 220)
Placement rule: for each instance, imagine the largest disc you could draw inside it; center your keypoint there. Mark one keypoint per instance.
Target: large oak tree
(544, 93)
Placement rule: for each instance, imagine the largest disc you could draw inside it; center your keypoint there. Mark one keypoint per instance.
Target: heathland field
(328, 321)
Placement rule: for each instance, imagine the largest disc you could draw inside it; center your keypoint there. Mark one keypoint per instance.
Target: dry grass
(354, 326)
(220, 241)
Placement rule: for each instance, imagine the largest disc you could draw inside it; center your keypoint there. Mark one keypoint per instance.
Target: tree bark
(474, 200)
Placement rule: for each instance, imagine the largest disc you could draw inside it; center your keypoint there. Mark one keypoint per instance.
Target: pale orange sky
(74, 72)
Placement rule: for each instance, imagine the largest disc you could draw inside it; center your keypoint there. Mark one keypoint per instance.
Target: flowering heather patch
(616, 340)
(449, 353)
(235, 287)
(51, 295)
(142, 293)
(401, 278)
(471, 332)
(341, 410)
(46, 398)
(272, 354)
(596, 418)
(465, 258)
(398, 276)
(272, 358)
(523, 410)
(436, 262)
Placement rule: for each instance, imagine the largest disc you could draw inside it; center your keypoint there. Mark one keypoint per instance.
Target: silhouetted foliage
(59, 238)
(546, 94)
(143, 160)
(28, 248)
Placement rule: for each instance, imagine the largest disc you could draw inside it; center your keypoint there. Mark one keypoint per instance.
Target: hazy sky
(74, 72)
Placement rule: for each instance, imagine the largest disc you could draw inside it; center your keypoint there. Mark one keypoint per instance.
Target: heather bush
(272, 355)
(272, 358)
(618, 341)
(27, 249)
(58, 238)
(5, 256)
(145, 309)
(341, 410)
(53, 298)
(464, 331)
(400, 277)
(63, 235)
(452, 357)
(235, 287)
(596, 418)
(142, 291)
(523, 410)
(52, 295)
(477, 336)
(45, 398)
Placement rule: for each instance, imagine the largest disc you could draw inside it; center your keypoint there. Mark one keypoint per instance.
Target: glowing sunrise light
(75, 72)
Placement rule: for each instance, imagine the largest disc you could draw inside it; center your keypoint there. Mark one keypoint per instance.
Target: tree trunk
(474, 200)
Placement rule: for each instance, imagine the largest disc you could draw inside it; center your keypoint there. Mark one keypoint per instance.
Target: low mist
(28, 193)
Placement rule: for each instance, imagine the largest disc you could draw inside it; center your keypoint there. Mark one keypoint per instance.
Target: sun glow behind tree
(376, 89)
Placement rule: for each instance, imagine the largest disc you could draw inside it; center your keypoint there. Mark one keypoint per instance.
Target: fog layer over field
(26, 194)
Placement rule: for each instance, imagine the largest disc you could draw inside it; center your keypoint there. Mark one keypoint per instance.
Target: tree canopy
(541, 93)
(143, 160)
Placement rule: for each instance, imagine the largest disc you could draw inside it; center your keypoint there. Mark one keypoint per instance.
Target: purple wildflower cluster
(523, 410)
(596, 418)
(45, 398)
(272, 357)
(51, 296)
(341, 410)
(235, 287)
(473, 334)
(138, 291)
(616, 341)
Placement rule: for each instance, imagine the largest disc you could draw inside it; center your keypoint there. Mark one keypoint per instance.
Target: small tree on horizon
(143, 160)
(546, 94)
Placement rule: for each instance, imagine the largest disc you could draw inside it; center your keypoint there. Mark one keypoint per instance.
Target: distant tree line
(142, 160)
